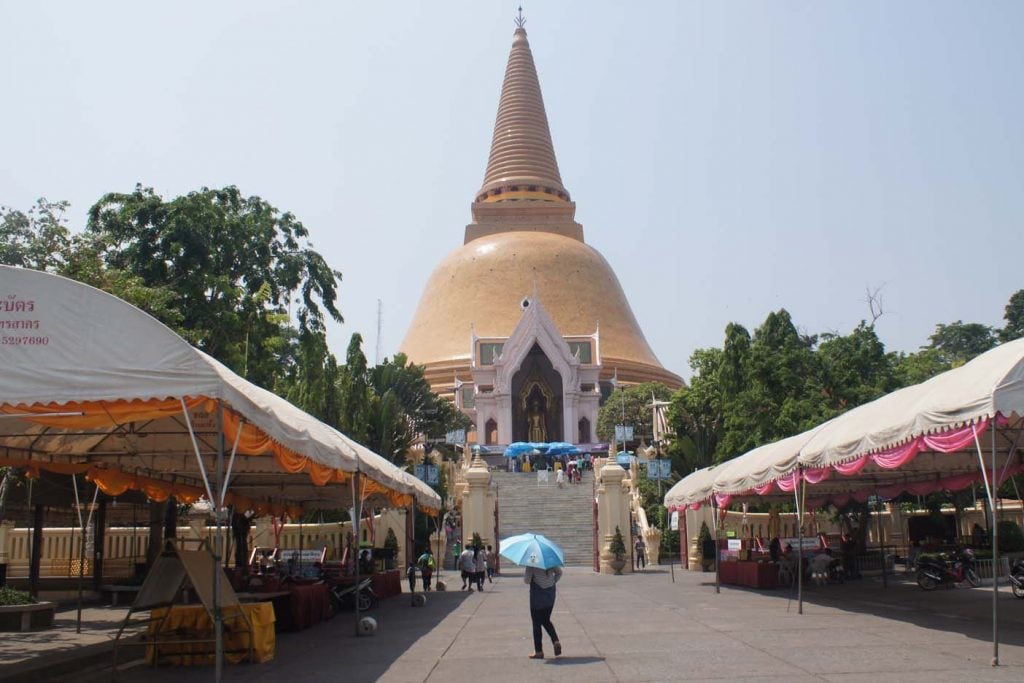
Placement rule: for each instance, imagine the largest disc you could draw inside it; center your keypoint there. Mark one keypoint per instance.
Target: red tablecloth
(307, 605)
(751, 574)
(387, 583)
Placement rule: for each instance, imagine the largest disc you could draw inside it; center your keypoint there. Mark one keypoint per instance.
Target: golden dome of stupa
(524, 242)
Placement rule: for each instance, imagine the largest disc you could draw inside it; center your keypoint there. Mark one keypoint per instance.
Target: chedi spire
(522, 164)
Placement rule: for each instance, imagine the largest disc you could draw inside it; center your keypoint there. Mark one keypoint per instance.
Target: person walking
(479, 567)
(641, 552)
(467, 567)
(491, 561)
(542, 602)
(426, 564)
(560, 478)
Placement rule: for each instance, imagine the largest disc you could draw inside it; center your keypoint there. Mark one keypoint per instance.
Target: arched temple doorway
(584, 431)
(537, 399)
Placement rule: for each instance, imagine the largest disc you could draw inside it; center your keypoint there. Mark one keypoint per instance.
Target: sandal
(558, 648)
(536, 655)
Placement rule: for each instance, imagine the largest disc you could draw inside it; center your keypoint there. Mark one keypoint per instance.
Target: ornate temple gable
(536, 327)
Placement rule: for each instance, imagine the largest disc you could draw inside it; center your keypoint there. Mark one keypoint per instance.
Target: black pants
(542, 617)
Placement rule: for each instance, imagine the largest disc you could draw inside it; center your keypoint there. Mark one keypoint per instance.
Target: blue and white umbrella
(561, 448)
(517, 448)
(532, 550)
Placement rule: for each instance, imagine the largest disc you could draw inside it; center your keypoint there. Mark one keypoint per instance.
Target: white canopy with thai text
(92, 384)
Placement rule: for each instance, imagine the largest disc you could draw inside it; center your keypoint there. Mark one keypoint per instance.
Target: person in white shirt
(467, 567)
(542, 601)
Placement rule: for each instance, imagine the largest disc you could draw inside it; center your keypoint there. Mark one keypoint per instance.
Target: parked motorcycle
(345, 596)
(960, 567)
(1017, 579)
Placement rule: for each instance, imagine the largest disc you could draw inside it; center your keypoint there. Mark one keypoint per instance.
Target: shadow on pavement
(352, 657)
(956, 610)
(568, 661)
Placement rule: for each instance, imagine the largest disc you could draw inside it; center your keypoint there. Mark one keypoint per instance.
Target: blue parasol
(532, 550)
(514, 450)
(562, 448)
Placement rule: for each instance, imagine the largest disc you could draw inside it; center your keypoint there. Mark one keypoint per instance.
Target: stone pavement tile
(677, 665)
(617, 643)
(519, 669)
(840, 636)
(768, 678)
(824, 657)
(979, 674)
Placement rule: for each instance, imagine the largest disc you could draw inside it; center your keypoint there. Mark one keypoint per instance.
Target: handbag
(541, 598)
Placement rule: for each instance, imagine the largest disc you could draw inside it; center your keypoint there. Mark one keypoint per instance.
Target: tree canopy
(761, 387)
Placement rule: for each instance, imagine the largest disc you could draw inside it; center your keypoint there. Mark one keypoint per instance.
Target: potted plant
(618, 549)
(707, 547)
(477, 542)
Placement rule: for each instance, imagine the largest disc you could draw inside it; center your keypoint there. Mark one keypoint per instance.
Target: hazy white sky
(728, 159)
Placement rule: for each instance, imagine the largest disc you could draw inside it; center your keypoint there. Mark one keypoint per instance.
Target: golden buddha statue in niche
(538, 431)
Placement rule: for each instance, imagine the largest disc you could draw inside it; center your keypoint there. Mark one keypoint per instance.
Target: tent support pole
(716, 515)
(798, 477)
(199, 456)
(81, 554)
(995, 556)
(881, 544)
(231, 462)
(218, 545)
(357, 515)
(995, 547)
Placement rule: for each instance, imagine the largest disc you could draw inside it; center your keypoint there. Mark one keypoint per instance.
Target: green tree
(771, 385)
(959, 342)
(855, 368)
(354, 394)
(631, 406)
(234, 265)
(1014, 317)
(696, 413)
(38, 238)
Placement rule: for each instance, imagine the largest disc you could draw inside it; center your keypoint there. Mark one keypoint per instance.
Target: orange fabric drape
(252, 442)
(101, 413)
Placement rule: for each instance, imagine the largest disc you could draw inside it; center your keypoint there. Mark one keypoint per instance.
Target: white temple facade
(534, 385)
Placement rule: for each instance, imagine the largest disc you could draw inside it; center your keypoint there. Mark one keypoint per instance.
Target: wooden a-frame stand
(174, 569)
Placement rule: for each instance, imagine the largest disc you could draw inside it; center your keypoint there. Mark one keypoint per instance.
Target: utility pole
(380, 326)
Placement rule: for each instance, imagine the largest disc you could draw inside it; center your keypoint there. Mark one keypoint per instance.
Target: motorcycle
(1017, 579)
(345, 596)
(931, 573)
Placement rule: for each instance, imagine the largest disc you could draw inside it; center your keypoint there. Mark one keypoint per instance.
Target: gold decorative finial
(520, 20)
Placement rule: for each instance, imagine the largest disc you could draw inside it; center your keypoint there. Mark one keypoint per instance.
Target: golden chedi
(525, 321)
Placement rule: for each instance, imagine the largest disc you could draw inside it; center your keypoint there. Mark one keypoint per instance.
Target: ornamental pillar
(478, 504)
(612, 511)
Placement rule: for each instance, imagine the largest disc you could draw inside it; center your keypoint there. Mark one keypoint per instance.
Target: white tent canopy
(692, 489)
(991, 384)
(939, 414)
(93, 384)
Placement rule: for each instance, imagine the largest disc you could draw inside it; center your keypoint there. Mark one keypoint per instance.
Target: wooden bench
(116, 591)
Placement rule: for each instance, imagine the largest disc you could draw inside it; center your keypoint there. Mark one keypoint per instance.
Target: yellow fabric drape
(193, 621)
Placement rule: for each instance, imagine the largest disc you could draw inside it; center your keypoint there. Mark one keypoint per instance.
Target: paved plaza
(646, 628)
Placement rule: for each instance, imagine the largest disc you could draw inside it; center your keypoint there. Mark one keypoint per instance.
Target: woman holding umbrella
(543, 560)
(542, 602)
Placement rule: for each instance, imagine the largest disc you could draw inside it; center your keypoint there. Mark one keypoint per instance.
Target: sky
(728, 159)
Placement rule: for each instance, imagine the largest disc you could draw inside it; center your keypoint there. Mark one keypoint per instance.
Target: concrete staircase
(563, 515)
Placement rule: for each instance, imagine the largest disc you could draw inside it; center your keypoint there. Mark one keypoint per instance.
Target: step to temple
(565, 515)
